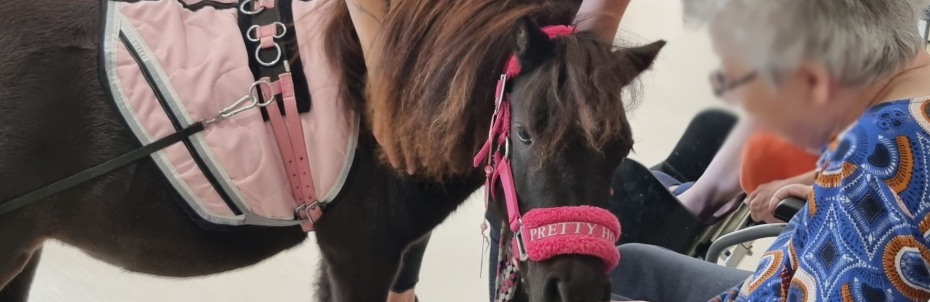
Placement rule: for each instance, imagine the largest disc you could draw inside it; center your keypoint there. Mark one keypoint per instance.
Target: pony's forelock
(579, 91)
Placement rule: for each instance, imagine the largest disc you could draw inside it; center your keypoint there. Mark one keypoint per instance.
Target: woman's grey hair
(858, 41)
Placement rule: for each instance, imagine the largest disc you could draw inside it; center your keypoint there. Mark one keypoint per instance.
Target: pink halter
(546, 232)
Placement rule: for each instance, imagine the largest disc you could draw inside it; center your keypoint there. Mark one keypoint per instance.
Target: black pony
(56, 120)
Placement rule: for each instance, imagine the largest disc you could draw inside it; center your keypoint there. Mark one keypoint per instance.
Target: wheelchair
(651, 214)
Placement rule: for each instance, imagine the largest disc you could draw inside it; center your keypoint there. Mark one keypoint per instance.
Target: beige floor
(673, 92)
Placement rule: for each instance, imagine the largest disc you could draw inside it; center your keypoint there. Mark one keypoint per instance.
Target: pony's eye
(523, 135)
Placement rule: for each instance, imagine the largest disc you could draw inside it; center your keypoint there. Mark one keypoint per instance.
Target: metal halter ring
(250, 12)
(273, 62)
(254, 28)
(254, 93)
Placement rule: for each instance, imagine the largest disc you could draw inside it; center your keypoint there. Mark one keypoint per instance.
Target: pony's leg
(366, 278)
(324, 289)
(20, 242)
(404, 281)
(17, 290)
(366, 230)
(362, 243)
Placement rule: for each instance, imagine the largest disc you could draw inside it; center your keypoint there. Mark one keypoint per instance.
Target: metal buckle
(306, 208)
(507, 149)
(272, 63)
(243, 9)
(500, 97)
(254, 28)
(521, 249)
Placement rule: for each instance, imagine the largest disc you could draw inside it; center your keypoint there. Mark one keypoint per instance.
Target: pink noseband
(545, 232)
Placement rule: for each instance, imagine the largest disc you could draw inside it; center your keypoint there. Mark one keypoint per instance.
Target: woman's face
(797, 107)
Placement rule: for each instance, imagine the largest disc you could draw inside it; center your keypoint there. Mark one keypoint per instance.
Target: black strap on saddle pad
(100, 169)
(266, 16)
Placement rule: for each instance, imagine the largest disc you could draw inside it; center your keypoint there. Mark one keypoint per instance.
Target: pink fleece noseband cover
(545, 232)
(586, 230)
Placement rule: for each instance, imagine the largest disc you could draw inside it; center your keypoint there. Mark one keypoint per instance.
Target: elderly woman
(846, 77)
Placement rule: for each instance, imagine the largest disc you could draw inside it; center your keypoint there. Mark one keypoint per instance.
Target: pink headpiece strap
(512, 69)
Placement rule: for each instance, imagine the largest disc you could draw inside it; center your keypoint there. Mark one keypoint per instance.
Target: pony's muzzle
(574, 278)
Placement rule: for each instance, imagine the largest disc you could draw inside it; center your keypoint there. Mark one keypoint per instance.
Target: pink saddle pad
(171, 63)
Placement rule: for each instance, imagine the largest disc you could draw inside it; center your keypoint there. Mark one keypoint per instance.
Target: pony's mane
(441, 61)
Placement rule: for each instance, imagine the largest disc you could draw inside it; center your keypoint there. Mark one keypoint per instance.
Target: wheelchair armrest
(744, 235)
(788, 207)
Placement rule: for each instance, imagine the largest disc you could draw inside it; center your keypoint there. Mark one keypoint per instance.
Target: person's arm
(602, 17)
(367, 16)
(720, 182)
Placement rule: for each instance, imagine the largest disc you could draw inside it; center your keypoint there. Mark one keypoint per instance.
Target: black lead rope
(100, 169)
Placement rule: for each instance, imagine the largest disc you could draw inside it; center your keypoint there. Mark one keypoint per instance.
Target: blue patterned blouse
(863, 235)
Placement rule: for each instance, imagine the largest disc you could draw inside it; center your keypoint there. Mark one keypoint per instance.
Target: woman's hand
(765, 199)
(601, 17)
(760, 201)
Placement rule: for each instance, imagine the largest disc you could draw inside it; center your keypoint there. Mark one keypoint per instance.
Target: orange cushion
(769, 157)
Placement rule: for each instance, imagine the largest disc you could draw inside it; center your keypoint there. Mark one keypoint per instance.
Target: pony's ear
(533, 46)
(642, 57)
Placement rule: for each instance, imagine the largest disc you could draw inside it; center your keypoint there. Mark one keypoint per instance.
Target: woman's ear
(817, 81)
(532, 44)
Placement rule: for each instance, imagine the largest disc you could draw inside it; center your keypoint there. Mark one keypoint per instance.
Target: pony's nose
(576, 285)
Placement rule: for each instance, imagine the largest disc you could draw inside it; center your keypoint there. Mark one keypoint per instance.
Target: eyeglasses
(721, 86)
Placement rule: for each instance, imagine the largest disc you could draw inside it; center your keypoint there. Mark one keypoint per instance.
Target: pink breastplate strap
(544, 232)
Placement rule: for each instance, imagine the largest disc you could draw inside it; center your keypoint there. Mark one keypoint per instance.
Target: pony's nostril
(560, 288)
(553, 290)
(607, 292)
(569, 278)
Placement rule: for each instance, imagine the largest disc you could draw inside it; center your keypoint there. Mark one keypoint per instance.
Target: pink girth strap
(297, 136)
(289, 136)
(259, 4)
(266, 34)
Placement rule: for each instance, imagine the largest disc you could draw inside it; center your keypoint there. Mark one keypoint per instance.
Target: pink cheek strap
(583, 230)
